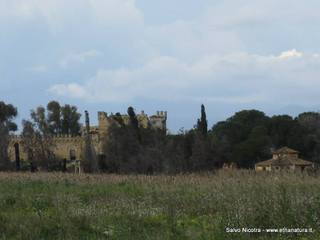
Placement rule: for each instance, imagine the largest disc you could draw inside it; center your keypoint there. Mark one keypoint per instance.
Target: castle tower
(159, 121)
(103, 122)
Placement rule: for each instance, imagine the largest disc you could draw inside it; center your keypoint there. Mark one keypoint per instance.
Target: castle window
(72, 154)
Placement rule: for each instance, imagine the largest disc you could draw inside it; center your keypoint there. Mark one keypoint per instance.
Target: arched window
(72, 154)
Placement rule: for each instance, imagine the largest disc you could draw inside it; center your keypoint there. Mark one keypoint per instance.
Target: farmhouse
(284, 159)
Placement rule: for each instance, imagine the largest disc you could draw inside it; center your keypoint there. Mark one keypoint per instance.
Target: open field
(63, 206)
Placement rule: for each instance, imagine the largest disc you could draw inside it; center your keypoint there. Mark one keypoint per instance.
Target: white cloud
(72, 90)
(82, 57)
(238, 77)
(290, 54)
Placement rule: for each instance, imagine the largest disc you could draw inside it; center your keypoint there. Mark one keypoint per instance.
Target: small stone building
(284, 159)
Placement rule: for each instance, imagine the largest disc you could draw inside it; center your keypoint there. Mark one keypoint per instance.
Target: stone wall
(63, 146)
(71, 147)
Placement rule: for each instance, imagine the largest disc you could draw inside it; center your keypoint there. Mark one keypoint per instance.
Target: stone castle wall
(69, 147)
(63, 147)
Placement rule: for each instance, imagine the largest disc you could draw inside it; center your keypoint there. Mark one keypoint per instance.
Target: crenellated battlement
(15, 137)
(67, 138)
(56, 139)
(160, 114)
(157, 120)
(57, 136)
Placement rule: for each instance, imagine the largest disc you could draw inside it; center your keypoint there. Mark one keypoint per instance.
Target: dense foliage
(131, 148)
(57, 119)
(249, 136)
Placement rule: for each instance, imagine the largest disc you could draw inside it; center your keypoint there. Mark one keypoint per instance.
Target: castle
(70, 148)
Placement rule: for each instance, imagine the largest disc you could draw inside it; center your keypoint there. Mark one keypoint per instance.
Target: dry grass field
(66, 206)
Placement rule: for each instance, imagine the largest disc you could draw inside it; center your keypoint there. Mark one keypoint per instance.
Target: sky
(106, 55)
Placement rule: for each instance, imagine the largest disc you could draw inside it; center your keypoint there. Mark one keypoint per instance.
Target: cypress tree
(133, 121)
(202, 125)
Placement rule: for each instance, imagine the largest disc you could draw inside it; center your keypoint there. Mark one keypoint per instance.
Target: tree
(133, 123)
(38, 142)
(121, 148)
(58, 119)
(54, 117)
(39, 119)
(118, 118)
(70, 120)
(254, 149)
(311, 140)
(242, 138)
(200, 148)
(130, 148)
(201, 154)
(31, 142)
(310, 120)
(7, 113)
(283, 130)
(175, 160)
(202, 125)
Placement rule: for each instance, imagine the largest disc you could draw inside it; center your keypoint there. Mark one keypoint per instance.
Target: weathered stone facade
(70, 148)
(284, 159)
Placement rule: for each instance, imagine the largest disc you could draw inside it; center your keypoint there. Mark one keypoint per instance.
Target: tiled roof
(284, 161)
(285, 150)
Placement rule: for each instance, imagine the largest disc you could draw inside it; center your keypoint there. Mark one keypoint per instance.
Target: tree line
(245, 138)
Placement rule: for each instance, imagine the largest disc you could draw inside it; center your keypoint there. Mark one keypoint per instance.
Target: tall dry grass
(67, 206)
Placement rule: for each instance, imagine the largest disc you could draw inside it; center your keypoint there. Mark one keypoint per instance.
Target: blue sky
(161, 55)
